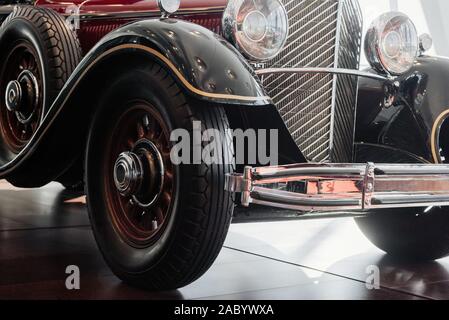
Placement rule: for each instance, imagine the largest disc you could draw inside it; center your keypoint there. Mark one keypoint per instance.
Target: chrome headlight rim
(375, 44)
(233, 28)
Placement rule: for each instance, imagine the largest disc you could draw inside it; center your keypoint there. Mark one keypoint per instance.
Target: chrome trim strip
(404, 199)
(146, 14)
(310, 171)
(413, 169)
(336, 71)
(6, 9)
(296, 199)
(334, 82)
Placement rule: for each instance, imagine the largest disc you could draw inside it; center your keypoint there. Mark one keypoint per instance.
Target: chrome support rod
(351, 187)
(338, 71)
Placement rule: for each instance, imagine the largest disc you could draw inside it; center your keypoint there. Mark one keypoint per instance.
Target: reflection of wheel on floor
(38, 52)
(158, 225)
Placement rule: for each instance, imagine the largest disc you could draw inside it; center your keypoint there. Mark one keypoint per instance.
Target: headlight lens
(391, 44)
(169, 6)
(258, 28)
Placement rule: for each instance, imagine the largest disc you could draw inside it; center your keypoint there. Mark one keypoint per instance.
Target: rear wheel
(38, 53)
(158, 225)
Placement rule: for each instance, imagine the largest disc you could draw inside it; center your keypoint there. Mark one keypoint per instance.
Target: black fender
(413, 124)
(205, 65)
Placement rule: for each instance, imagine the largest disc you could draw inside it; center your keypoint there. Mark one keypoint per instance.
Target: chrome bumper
(342, 187)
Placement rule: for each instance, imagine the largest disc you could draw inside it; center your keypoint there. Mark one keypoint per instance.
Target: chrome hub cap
(22, 96)
(128, 173)
(140, 174)
(13, 95)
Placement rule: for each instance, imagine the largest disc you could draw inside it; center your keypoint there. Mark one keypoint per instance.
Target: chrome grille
(345, 97)
(323, 33)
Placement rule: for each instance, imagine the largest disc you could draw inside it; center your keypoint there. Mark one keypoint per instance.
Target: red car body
(99, 17)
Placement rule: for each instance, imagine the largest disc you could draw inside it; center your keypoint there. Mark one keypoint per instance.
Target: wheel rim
(139, 175)
(21, 96)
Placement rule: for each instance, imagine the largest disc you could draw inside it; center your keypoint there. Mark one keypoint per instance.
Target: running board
(342, 187)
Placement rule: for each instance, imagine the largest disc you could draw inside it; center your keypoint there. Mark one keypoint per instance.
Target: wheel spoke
(165, 152)
(32, 65)
(140, 130)
(129, 145)
(166, 198)
(146, 127)
(136, 132)
(159, 215)
(169, 175)
(23, 63)
(34, 126)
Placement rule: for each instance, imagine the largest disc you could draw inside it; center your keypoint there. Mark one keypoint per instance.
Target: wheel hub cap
(13, 96)
(128, 173)
(140, 174)
(22, 96)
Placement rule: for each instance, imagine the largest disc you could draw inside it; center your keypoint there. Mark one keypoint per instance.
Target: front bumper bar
(342, 187)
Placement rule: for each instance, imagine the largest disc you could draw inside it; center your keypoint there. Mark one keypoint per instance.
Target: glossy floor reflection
(43, 231)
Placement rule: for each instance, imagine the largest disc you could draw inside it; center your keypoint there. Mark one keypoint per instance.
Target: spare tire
(38, 53)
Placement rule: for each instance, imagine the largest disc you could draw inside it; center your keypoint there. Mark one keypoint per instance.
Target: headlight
(169, 6)
(258, 28)
(391, 44)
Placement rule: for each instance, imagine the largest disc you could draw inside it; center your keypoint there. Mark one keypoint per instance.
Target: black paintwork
(11, 2)
(206, 60)
(423, 96)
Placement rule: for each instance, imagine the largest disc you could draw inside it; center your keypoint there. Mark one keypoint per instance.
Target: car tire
(418, 234)
(184, 242)
(38, 48)
(409, 234)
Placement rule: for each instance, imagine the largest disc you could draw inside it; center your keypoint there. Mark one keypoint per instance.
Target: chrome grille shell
(319, 109)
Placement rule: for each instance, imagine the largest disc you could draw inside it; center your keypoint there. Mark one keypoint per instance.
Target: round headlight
(258, 28)
(169, 6)
(391, 44)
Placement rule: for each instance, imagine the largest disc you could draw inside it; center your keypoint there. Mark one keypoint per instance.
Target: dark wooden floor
(43, 231)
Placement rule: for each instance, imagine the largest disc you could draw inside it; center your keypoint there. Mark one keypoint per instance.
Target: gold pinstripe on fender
(180, 76)
(434, 137)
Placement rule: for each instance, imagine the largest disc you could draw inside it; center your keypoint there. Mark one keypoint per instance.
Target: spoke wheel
(139, 176)
(19, 123)
(158, 225)
(38, 53)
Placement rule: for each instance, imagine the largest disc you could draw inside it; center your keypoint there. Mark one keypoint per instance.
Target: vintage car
(92, 90)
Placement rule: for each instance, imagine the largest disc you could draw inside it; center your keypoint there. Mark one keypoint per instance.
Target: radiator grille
(323, 33)
(342, 146)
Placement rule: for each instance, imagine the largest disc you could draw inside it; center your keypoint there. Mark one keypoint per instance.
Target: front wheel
(409, 234)
(158, 225)
(406, 233)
